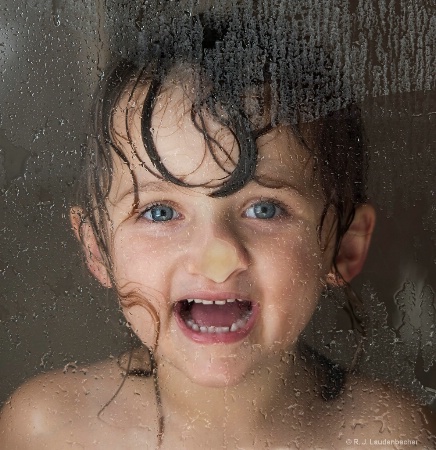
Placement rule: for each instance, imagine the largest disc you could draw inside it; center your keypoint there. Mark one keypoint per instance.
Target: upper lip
(214, 295)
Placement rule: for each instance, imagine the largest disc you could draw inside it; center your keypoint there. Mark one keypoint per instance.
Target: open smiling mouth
(215, 320)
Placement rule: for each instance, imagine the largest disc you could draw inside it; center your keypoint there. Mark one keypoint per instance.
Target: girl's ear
(85, 235)
(355, 243)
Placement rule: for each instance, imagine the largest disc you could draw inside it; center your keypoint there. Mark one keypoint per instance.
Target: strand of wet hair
(142, 373)
(209, 140)
(147, 373)
(128, 300)
(147, 138)
(140, 77)
(129, 362)
(243, 171)
(359, 324)
(160, 418)
(246, 166)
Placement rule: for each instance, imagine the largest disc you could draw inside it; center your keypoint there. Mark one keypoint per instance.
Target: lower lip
(219, 338)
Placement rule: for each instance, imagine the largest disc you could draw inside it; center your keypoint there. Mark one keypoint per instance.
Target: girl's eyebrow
(152, 186)
(280, 183)
(262, 181)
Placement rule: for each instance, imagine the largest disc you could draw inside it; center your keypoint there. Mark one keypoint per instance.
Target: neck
(269, 390)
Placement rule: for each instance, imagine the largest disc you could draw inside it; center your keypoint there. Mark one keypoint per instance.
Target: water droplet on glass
(56, 20)
(55, 12)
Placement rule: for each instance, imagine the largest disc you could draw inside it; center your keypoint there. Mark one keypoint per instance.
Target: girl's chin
(217, 378)
(207, 370)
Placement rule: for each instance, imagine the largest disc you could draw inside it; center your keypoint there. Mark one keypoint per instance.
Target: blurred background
(52, 313)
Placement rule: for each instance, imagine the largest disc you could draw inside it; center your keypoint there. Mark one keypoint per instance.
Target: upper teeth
(211, 302)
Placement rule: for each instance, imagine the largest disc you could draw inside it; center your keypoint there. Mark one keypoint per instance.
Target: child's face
(260, 245)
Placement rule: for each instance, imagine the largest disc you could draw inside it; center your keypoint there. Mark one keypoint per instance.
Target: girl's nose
(219, 259)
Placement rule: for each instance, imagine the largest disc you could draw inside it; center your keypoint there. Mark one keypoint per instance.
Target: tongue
(217, 315)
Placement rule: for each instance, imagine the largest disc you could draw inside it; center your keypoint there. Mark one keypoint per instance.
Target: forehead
(197, 148)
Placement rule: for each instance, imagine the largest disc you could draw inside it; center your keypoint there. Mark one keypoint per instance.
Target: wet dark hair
(334, 139)
(335, 143)
(295, 82)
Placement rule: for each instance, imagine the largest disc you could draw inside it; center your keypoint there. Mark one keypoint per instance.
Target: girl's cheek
(137, 253)
(297, 252)
(142, 323)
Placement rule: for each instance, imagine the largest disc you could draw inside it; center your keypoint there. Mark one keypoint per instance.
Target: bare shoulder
(377, 411)
(85, 406)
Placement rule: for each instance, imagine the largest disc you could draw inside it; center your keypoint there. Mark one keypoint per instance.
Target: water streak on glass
(56, 7)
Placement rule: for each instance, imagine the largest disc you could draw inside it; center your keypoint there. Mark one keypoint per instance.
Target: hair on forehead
(245, 90)
(203, 104)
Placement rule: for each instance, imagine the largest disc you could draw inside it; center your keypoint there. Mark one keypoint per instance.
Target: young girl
(219, 222)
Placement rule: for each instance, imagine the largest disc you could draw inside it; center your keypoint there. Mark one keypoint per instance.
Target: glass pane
(261, 117)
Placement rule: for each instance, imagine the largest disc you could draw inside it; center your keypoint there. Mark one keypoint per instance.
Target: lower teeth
(239, 324)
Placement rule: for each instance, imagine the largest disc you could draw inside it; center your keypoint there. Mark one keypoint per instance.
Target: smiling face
(256, 252)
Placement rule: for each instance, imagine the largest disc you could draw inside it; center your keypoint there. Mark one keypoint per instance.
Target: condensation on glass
(380, 54)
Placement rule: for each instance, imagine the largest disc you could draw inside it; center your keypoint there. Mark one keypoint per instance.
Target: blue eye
(263, 210)
(160, 213)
